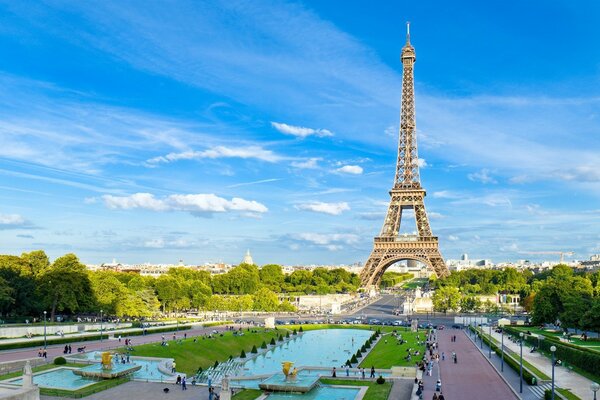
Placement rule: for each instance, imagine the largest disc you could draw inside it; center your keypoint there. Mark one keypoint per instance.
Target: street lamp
(594, 386)
(101, 326)
(490, 338)
(552, 349)
(45, 343)
(502, 345)
(521, 364)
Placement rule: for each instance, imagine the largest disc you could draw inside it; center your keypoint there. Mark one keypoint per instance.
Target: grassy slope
(189, 355)
(386, 355)
(375, 391)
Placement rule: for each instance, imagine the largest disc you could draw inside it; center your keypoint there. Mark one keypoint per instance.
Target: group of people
(432, 356)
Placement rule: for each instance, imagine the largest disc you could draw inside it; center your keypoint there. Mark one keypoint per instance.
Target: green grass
(375, 391)
(567, 394)
(86, 391)
(415, 283)
(39, 369)
(387, 355)
(189, 355)
(248, 394)
(516, 356)
(592, 344)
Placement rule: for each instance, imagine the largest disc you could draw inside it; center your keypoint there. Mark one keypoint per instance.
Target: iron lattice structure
(390, 246)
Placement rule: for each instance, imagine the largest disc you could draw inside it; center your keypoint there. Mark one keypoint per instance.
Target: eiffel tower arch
(406, 194)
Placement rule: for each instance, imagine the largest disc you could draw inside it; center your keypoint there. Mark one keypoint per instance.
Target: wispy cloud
(255, 182)
(330, 241)
(300, 131)
(311, 163)
(194, 203)
(350, 169)
(484, 176)
(255, 152)
(325, 208)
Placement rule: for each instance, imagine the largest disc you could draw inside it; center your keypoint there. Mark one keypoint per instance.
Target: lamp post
(552, 350)
(45, 343)
(594, 386)
(521, 364)
(502, 346)
(490, 338)
(101, 311)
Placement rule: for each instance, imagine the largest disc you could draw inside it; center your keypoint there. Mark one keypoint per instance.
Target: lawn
(387, 355)
(248, 394)
(415, 283)
(591, 344)
(375, 391)
(203, 353)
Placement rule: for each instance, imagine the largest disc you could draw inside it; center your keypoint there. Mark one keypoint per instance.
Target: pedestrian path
(470, 378)
(539, 390)
(563, 377)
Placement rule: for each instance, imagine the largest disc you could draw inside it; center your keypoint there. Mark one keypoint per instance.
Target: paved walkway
(57, 350)
(147, 391)
(563, 377)
(471, 378)
(401, 389)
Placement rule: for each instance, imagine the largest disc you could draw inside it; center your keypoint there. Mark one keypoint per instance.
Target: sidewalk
(471, 378)
(563, 377)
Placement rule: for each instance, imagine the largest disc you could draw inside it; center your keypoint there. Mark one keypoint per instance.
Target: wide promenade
(57, 350)
(471, 378)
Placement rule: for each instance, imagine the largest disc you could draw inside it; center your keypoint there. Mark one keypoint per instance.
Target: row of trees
(559, 295)
(30, 284)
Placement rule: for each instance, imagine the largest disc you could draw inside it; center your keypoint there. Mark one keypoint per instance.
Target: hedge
(587, 360)
(511, 362)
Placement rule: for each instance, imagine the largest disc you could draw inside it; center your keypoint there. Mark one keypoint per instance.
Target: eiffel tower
(391, 246)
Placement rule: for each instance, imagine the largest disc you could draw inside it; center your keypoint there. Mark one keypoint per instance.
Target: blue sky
(159, 131)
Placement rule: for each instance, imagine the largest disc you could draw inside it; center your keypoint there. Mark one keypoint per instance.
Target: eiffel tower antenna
(390, 247)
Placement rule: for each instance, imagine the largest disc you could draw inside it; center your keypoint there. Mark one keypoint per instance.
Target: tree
(265, 300)
(168, 290)
(66, 286)
(17, 275)
(591, 318)
(446, 298)
(37, 261)
(470, 304)
(271, 275)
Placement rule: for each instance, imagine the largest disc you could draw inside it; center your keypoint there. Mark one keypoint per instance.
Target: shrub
(263, 345)
(60, 361)
(254, 350)
(243, 354)
(348, 363)
(547, 394)
(358, 353)
(216, 364)
(380, 380)
(363, 348)
(199, 371)
(294, 332)
(287, 334)
(354, 360)
(273, 341)
(280, 338)
(300, 330)
(230, 357)
(367, 344)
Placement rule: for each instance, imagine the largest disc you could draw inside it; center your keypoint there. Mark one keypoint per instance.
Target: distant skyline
(154, 131)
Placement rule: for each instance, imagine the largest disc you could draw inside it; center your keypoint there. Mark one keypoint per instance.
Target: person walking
(435, 396)
(372, 371)
(333, 374)
(69, 349)
(441, 396)
(347, 370)
(183, 384)
(362, 371)
(443, 356)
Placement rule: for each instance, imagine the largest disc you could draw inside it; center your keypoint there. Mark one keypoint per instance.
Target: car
(440, 327)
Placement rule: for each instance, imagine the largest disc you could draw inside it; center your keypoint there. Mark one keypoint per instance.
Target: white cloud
(350, 169)
(155, 244)
(422, 163)
(391, 130)
(482, 176)
(300, 131)
(311, 163)
(329, 239)
(11, 220)
(194, 203)
(325, 208)
(434, 215)
(453, 238)
(246, 152)
(446, 194)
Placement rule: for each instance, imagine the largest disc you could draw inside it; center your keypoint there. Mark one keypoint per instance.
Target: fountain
(289, 380)
(107, 369)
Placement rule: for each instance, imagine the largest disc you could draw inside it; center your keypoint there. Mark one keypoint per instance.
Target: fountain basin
(116, 371)
(279, 383)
